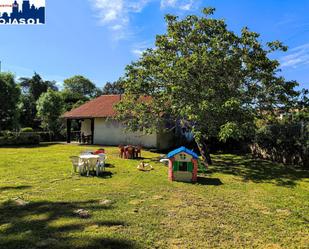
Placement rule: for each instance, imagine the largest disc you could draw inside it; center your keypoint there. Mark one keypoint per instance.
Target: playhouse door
(183, 171)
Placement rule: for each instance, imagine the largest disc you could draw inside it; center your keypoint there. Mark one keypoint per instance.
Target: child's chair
(130, 152)
(121, 151)
(138, 151)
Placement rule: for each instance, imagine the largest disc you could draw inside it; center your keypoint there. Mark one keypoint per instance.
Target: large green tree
(113, 88)
(77, 90)
(205, 77)
(50, 106)
(32, 88)
(9, 97)
(35, 86)
(81, 86)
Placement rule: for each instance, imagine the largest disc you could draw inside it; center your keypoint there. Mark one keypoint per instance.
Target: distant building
(97, 121)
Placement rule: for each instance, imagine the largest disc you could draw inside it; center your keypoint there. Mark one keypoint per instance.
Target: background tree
(9, 97)
(35, 86)
(32, 88)
(114, 87)
(205, 77)
(72, 100)
(50, 106)
(81, 86)
(78, 90)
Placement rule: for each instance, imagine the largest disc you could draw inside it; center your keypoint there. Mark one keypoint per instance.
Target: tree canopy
(113, 88)
(77, 90)
(35, 86)
(81, 86)
(32, 88)
(206, 78)
(50, 106)
(9, 97)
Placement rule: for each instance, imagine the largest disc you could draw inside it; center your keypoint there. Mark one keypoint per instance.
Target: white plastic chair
(91, 164)
(77, 164)
(101, 163)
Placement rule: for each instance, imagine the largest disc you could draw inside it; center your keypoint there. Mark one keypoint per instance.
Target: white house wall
(110, 132)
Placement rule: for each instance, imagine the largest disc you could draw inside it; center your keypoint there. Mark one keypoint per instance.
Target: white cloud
(179, 4)
(298, 56)
(116, 13)
(137, 52)
(140, 47)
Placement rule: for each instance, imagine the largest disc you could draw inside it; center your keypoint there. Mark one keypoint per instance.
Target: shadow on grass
(108, 165)
(42, 145)
(21, 187)
(258, 170)
(151, 159)
(104, 174)
(209, 181)
(38, 225)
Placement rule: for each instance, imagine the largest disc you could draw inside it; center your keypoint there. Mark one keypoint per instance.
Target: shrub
(20, 139)
(6, 134)
(286, 143)
(26, 129)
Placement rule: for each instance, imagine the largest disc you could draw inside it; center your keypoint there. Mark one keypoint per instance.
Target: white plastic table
(85, 158)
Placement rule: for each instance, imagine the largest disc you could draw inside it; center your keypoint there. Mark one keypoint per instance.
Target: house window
(183, 166)
(182, 156)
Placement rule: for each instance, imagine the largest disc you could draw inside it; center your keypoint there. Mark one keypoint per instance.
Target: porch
(80, 130)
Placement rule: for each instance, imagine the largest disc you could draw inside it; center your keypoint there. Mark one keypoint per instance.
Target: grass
(239, 203)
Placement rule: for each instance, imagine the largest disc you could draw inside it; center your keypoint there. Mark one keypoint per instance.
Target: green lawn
(239, 203)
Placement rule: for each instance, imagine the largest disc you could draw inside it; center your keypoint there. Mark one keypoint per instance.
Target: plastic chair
(91, 164)
(138, 151)
(121, 151)
(99, 151)
(101, 163)
(77, 164)
(129, 152)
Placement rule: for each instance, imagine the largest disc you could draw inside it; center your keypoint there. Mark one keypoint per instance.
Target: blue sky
(98, 38)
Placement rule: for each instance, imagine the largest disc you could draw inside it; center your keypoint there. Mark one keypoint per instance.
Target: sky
(98, 38)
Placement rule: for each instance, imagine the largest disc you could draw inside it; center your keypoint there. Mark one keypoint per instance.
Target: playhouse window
(183, 166)
(182, 156)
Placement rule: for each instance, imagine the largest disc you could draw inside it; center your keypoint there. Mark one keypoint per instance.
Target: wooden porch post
(92, 130)
(68, 131)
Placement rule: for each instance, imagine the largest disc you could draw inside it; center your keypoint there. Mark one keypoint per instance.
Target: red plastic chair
(121, 151)
(138, 151)
(130, 152)
(99, 151)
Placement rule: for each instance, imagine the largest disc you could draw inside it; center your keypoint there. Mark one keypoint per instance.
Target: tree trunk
(203, 148)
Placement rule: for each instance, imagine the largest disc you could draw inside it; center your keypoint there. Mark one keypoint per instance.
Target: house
(183, 165)
(96, 120)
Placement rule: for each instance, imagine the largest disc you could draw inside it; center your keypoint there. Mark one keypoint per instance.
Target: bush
(6, 134)
(286, 143)
(20, 139)
(26, 129)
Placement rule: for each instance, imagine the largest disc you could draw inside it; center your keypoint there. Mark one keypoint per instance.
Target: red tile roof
(100, 107)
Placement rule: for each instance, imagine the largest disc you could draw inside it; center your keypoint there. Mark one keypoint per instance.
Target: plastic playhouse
(183, 165)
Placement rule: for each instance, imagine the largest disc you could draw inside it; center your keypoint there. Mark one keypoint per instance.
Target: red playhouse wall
(195, 169)
(170, 169)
